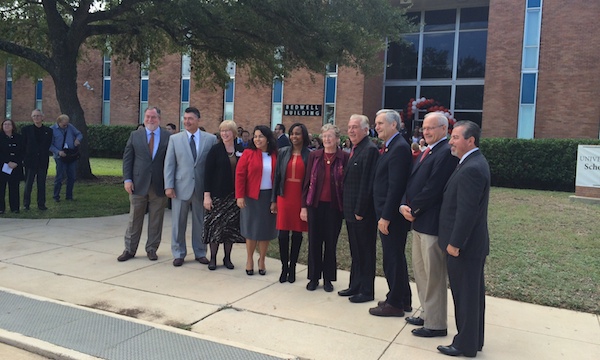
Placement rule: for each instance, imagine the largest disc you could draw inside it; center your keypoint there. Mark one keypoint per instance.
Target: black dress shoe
(26, 207)
(202, 260)
(178, 262)
(425, 332)
(360, 298)
(327, 286)
(417, 321)
(452, 351)
(43, 208)
(347, 292)
(152, 255)
(407, 308)
(126, 255)
(228, 264)
(312, 285)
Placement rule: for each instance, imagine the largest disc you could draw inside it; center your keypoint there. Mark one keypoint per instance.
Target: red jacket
(248, 173)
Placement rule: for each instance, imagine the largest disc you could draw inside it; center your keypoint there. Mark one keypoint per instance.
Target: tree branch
(34, 56)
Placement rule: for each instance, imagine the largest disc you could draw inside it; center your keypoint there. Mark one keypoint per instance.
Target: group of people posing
(279, 188)
(25, 157)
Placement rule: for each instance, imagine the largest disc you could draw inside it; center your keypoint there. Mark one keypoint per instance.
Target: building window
(39, 92)
(186, 70)
(444, 60)
(529, 69)
(8, 109)
(106, 91)
(331, 73)
(277, 103)
(144, 90)
(228, 97)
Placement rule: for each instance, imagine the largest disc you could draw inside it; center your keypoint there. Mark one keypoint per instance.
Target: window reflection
(403, 58)
(472, 48)
(437, 56)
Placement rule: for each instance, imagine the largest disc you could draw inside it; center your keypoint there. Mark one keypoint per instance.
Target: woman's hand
(304, 215)
(273, 208)
(241, 203)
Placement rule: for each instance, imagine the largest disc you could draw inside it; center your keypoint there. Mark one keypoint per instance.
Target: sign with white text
(588, 166)
(302, 110)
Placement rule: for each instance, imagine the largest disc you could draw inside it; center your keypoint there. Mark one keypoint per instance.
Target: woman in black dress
(11, 161)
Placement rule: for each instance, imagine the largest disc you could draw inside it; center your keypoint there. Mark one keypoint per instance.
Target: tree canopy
(46, 36)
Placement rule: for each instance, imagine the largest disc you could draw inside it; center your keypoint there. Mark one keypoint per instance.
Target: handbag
(71, 155)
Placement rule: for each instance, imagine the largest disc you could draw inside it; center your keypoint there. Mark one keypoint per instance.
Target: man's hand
(453, 251)
(62, 153)
(358, 218)
(383, 226)
(76, 142)
(170, 192)
(128, 187)
(406, 212)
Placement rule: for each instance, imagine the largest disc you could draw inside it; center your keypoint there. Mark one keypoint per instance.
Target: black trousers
(468, 291)
(362, 236)
(13, 193)
(324, 225)
(394, 264)
(31, 173)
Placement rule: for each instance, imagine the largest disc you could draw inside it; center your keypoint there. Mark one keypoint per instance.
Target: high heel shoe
(262, 271)
(250, 272)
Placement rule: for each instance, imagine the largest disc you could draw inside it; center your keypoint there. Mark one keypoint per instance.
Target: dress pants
(31, 173)
(362, 236)
(324, 225)
(13, 194)
(62, 169)
(468, 290)
(431, 273)
(394, 264)
(179, 213)
(137, 210)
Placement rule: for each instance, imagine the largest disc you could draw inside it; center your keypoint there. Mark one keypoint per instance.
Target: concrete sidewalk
(73, 261)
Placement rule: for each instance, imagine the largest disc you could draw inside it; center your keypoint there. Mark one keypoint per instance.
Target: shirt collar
(467, 154)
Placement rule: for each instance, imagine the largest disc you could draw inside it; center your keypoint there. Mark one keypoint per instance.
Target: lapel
(357, 151)
(417, 163)
(143, 139)
(185, 141)
(460, 166)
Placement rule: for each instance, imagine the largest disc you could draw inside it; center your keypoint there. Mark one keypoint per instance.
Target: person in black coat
(37, 139)
(464, 236)
(11, 160)
(282, 140)
(391, 177)
(359, 211)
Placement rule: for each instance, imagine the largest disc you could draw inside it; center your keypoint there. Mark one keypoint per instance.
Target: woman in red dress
(286, 199)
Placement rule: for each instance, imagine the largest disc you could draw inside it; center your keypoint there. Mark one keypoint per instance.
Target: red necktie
(382, 150)
(352, 151)
(151, 143)
(425, 153)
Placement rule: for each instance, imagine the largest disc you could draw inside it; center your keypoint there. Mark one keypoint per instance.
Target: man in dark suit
(359, 211)
(282, 140)
(391, 176)
(36, 139)
(421, 205)
(464, 237)
(143, 161)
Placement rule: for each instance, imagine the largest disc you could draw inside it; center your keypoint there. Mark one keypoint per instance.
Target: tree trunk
(65, 81)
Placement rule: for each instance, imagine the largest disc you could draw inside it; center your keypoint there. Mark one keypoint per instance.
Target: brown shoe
(386, 310)
(152, 255)
(202, 260)
(406, 308)
(178, 262)
(126, 255)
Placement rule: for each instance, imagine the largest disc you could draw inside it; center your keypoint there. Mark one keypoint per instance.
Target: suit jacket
(425, 187)
(139, 166)
(391, 176)
(358, 181)
(218, 177)
(182, 173)
(463, 216)
(283, 141)
(11, 149)
(36, 154)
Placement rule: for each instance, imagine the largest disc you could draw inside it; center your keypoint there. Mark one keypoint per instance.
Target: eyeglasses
(431, 128)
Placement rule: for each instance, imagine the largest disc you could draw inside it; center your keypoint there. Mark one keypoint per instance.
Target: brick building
(520, 68)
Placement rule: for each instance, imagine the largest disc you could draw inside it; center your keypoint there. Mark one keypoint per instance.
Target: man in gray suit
(184, 184)
(143, 162)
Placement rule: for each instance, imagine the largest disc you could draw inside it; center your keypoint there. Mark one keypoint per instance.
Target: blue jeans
(70, 170)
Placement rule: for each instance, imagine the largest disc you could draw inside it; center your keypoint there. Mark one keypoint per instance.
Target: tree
(49, 35)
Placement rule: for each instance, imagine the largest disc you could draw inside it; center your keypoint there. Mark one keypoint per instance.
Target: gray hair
(441, 118)
(328, 127)
(364, 121)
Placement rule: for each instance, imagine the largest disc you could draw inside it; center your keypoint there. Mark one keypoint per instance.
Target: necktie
(425, 154)
(352, 151)
(193, 147)
(151, 144)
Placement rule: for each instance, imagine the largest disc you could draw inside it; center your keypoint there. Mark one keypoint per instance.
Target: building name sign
(302, 110)
(588, 166)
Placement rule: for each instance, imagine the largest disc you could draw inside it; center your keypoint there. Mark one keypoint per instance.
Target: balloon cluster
(430, 105)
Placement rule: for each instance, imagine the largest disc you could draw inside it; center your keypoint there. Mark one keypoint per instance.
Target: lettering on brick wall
(302, 110)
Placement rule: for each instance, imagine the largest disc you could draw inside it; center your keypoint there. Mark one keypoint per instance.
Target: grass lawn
(544, 248)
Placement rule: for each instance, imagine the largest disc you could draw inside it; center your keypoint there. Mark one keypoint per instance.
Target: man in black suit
(36, 139)
(359, 211)
(464, 236)
(421, 206)
(282, 140)
(391, 176)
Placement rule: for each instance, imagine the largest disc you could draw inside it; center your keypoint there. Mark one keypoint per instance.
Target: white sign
(588, 166)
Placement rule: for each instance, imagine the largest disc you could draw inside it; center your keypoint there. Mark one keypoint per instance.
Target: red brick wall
(351, 88)
(300, 88)
(90, 70)
(587, 192)
(23, 100)
(164, 90)
(125, 94)
(568, 102)
(252, 104)
(503, 68)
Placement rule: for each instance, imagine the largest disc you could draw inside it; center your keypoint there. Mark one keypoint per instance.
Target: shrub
(108, 141)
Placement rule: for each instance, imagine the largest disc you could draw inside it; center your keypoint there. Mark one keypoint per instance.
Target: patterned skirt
(222, 223)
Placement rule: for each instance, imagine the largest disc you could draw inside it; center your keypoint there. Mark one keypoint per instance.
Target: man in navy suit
(359, 211)
(421, 206)
(464, 236)
(282, 140)
(391, 176)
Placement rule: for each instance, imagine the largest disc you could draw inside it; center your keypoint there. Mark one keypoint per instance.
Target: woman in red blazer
(253, 187)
